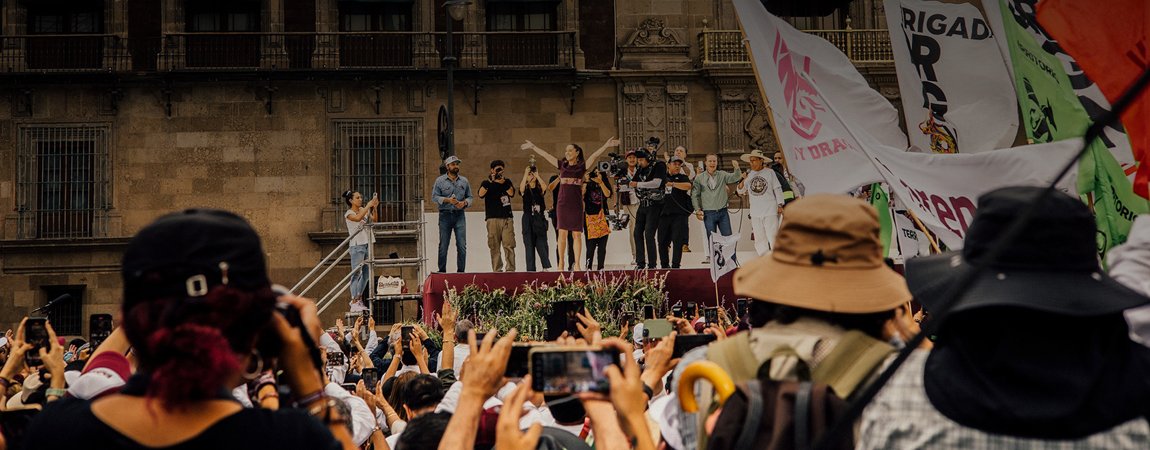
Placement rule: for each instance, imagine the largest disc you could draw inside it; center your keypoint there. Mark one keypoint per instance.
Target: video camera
(618, 220)
(615, 167)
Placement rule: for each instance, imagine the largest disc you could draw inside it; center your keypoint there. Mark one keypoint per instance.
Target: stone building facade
(115, 112)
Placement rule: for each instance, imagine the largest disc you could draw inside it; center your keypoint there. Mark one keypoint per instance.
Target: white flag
(817, 146)
(722, 254)
(908, 237)
(957, 95)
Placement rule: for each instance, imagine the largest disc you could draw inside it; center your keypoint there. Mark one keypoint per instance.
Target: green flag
(881, 202)
(1051, 111)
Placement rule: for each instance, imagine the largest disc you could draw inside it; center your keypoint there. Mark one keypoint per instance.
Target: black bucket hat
(1052, 267)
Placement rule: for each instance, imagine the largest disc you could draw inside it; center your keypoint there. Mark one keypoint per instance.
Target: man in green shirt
(709, 195)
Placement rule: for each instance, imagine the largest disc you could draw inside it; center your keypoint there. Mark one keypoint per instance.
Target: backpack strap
(802, 416)
(753, 389)
(733, 354)
(851, 362)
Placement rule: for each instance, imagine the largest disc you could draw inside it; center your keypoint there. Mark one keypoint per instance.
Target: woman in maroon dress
(569, 207)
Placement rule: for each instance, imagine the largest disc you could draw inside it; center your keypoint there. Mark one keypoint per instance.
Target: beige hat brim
(826, 288)
(746, 157)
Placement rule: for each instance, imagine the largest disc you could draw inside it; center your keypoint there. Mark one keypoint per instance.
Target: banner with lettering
(1021, 14)
(909, 242)
(1052, 111)
(957, 95)
(817, 147)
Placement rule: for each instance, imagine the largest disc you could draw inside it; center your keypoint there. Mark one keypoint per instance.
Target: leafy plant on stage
(607, 296)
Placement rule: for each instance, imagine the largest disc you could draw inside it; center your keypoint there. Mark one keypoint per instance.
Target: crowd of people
(652, 197)
(1045, 350)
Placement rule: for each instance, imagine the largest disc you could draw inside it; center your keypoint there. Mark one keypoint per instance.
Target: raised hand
(507, 433)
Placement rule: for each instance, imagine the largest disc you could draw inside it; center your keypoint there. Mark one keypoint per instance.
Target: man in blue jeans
(452, 193)
(709, 196)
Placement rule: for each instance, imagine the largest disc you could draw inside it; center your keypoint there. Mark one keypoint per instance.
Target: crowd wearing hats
(1044, 350)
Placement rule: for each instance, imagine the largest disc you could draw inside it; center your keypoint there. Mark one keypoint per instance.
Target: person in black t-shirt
(650, 183)
(677, 208)
(534, 223)
(496, 192)
(199, 312)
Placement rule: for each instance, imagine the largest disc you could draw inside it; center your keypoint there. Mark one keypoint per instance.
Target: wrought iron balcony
(63, 53)
(724, 48)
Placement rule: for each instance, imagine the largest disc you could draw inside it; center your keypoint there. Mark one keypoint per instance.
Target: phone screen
(686, 342)
(36, 333)
(563, 318)
(370, 377)
(567, 370)
(677, 311)
(741, 307)
(517, 363)
(692, 310)
(648, 311)
(99, 328)
(335, 359)
(711, 315)
(405, 338)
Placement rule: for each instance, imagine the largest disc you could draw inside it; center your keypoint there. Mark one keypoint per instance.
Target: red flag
(1110, 42)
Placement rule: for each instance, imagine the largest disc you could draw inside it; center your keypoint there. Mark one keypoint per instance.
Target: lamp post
(455, 11)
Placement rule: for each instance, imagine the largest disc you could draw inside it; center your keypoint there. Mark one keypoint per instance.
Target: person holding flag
(766, 200)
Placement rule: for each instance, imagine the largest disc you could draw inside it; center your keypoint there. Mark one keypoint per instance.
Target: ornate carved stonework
(744, 123)
(757, 124)
(653, 46)
(655, 109)
(653, 32)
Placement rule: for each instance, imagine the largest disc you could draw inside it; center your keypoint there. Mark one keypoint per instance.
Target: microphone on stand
(49, 305)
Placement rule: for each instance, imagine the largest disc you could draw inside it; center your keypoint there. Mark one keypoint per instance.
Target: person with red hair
(201, 316)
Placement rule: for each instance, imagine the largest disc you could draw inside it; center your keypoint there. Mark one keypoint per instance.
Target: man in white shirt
(766, 200)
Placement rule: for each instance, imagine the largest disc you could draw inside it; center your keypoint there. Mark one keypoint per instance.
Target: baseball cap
(452, 159)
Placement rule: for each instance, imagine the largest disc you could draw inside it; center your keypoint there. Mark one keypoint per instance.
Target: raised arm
(613, 142)
(528, 145)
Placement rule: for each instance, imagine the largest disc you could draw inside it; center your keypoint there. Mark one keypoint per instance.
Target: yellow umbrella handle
(709, 371)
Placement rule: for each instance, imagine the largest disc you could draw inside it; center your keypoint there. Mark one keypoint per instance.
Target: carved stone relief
(655, 110)
(653, 32)
(744, 123)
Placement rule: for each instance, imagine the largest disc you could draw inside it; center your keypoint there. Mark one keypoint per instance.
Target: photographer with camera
(627, 200)
(497, 212)
(649, 184)
(534, 220)
(202, 317)
(596, 191)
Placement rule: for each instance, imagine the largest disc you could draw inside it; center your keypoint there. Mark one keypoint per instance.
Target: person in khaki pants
(496, 192)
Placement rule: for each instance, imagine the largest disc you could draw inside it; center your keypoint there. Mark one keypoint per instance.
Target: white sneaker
(357, 306)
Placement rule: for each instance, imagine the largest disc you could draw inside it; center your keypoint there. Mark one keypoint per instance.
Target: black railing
(64, 53)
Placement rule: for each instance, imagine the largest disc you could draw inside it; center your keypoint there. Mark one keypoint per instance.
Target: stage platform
(682, 285)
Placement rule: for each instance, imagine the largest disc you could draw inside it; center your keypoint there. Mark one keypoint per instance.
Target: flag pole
(929, 237)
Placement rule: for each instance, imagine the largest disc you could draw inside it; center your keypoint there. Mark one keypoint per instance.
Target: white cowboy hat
(746, 157)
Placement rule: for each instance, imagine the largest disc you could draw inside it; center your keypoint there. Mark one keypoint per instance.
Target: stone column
(273, 54)
(172, 47)
(116, 55)
(326, 53)
(571, 25)
(424, 54)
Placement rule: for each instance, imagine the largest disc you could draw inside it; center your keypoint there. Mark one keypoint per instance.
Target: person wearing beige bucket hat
(766, 198)
(824, 292)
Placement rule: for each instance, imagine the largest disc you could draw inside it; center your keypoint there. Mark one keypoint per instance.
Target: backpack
(767, 414)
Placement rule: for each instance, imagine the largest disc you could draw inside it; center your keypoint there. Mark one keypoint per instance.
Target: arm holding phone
(53, 358)
(616, 426)
(484, 370)
(15, 360)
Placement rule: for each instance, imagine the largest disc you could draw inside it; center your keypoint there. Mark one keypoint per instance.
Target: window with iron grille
(380, 156)
(63, 180)
(65, 314)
